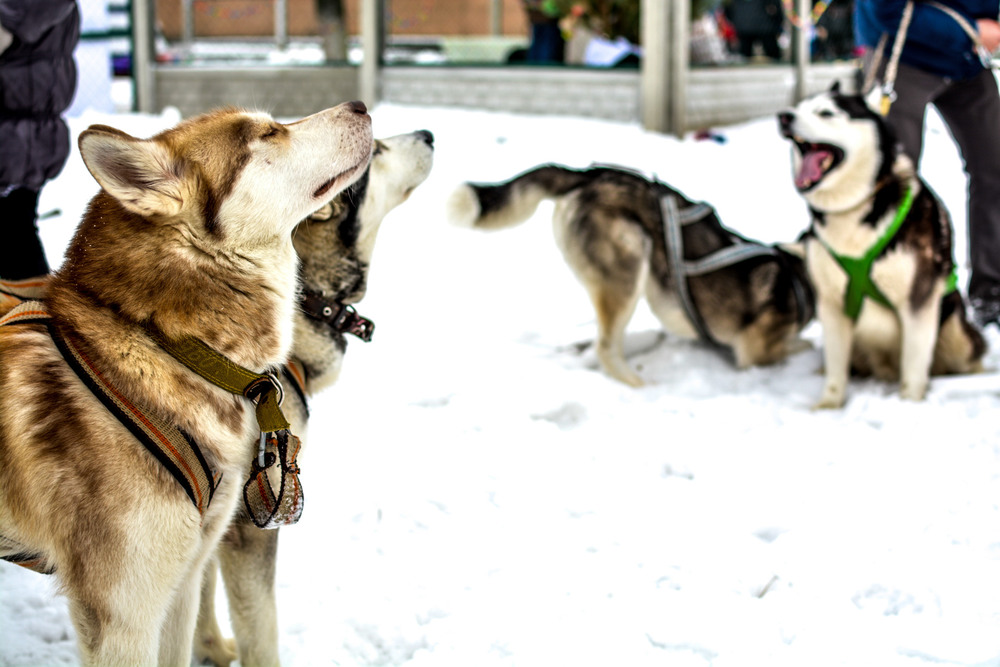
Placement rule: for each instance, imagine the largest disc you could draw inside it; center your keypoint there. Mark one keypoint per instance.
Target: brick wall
(255, 18)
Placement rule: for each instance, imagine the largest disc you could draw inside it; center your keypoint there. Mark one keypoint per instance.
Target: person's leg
(22, 255)
(771, 47)
(914, 90)
(971, 109)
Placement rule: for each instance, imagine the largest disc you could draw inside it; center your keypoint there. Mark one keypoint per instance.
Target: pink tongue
(812, 168)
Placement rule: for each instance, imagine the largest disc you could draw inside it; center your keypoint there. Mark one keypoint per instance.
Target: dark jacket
(755, 18)
(37, 83)
(935, 42)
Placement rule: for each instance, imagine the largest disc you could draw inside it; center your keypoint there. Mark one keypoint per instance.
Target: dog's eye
(826, 113)
(378, 148)
(269, 132)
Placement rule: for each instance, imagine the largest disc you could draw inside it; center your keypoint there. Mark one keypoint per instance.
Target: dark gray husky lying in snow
(624, 235)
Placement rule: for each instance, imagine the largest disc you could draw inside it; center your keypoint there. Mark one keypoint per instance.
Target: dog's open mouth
(817, 160)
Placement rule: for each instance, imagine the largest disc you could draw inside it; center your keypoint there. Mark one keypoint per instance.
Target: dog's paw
(913, 391)
(626, 376)
(215, 650)
(833, 398)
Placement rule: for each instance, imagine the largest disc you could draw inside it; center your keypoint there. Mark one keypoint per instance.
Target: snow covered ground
(479, 494)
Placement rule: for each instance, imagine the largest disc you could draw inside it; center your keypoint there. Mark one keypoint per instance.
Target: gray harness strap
(673, 220)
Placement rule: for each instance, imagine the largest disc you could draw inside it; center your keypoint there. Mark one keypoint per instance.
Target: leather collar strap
(269, 502)
(264, 390)
(339, 317)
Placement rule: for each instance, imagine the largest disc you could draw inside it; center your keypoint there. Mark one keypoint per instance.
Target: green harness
(858, 269)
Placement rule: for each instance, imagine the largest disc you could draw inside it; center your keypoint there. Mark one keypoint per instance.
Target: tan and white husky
(335, 246)
(190, 238)
(879, 252)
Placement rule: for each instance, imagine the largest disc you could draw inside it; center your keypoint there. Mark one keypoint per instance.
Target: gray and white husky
(335, 246)
(879, 252)
(624, 235)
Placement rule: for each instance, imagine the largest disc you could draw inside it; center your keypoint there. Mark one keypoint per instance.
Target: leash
(858, 269)
(892, 65)
(673, 220)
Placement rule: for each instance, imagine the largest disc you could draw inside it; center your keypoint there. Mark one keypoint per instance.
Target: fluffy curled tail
(506, 204)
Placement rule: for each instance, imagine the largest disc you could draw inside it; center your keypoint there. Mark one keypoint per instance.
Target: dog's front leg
(247, 558)
(126, 638)
(918, 330)
(210, 646)
(838, 331)
(177, 635)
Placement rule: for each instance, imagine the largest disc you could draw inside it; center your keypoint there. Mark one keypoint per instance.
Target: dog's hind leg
(959, 347)
(609, 255)
(614, 307)
(247, 556)
(210, 647)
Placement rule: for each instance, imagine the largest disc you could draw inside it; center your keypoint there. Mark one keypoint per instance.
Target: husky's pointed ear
(835, 87)
(141, 174)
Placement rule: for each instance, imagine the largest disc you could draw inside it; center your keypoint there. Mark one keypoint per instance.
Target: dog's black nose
(357, 106)
(785, 119)
(426, 137)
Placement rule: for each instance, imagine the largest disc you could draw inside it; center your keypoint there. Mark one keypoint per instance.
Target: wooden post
(680, 65)
(187, 17)
(142, 56)
(281, 23)
(496, 17)
(372, 38)
(801, 49)
(655, 72)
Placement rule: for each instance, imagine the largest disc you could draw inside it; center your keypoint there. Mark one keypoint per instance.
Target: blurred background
(673, 65)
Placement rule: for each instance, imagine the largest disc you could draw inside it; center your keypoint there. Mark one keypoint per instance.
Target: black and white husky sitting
(879, 252)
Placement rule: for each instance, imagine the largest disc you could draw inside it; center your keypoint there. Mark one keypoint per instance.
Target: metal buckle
(273, 377)
(254, 391)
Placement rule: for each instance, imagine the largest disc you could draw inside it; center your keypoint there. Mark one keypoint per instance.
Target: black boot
(22, 255)
(985, 306)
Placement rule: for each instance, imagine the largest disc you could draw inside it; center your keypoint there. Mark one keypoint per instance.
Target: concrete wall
(283, 92)
(730, 95)
(716, 96)
(610, 94)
